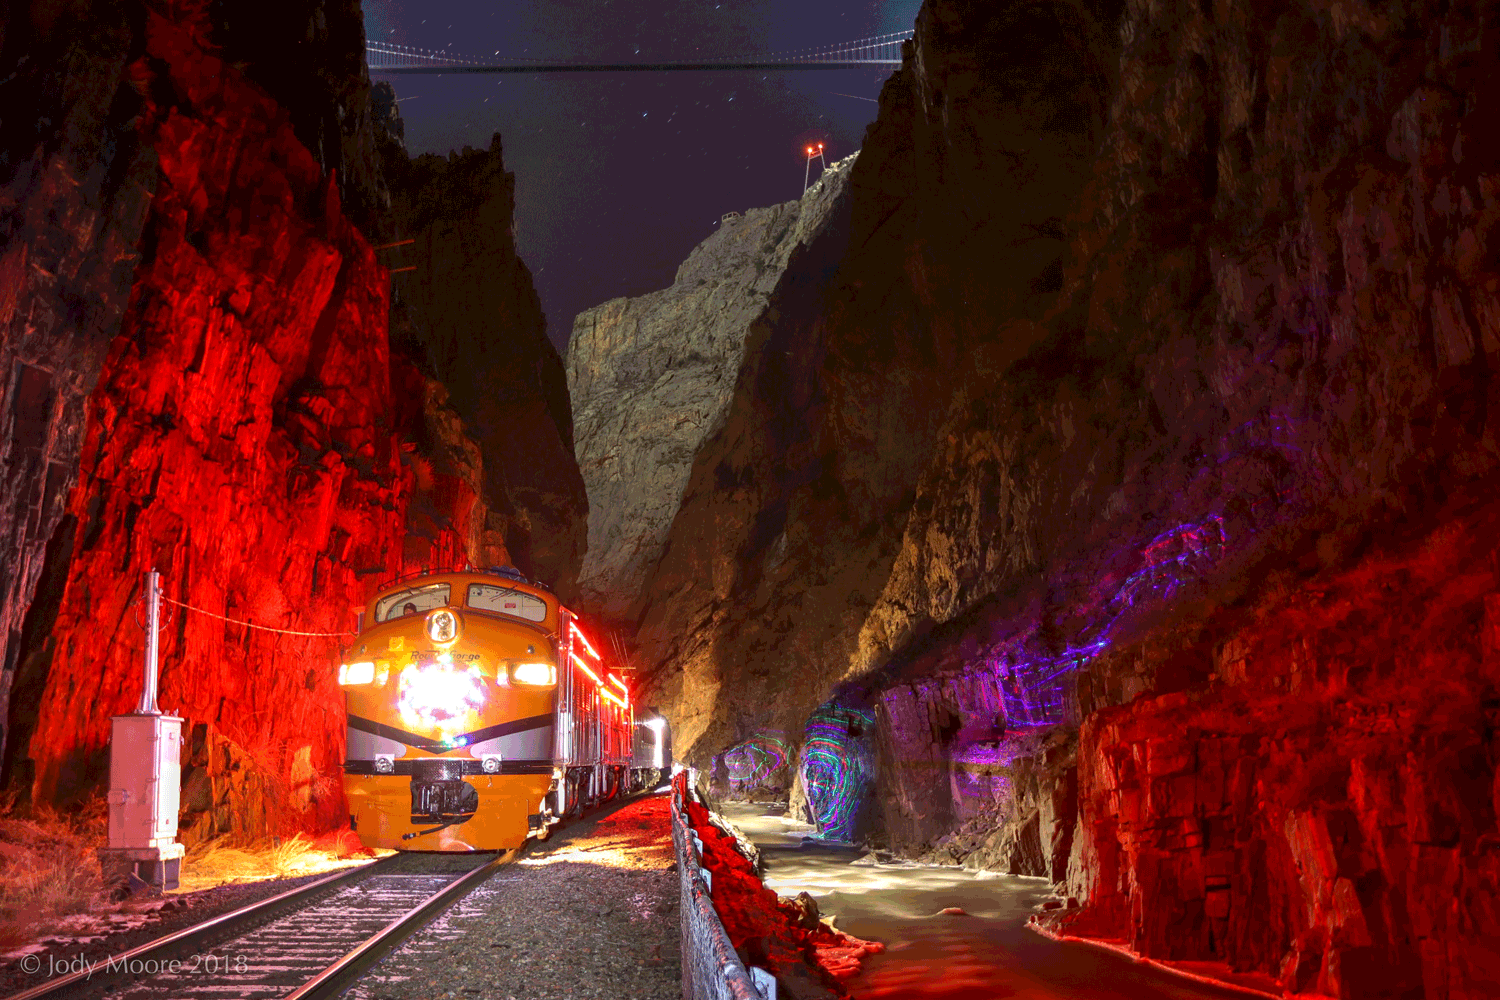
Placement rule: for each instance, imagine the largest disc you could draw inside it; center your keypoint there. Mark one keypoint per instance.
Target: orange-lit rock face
(245, 440)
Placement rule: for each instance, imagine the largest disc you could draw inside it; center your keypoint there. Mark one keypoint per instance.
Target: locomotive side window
(505, 601)
(411, 602)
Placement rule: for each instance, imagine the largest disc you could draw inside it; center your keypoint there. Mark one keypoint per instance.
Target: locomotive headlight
(442, 626)
(491, 764)
(356, 673)
(539, 674)
(441, 696)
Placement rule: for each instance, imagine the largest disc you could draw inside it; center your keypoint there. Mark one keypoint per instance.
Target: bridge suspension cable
(877, 51)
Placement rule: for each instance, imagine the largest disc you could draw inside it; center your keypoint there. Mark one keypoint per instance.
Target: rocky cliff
(1167, 544)
(75, 186)
(794, 511)
(309, 57)
(180, 256)
(467, 311)
(246, 439)
(651, 378)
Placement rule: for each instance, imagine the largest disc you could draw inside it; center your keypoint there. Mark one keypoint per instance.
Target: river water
(988, 952)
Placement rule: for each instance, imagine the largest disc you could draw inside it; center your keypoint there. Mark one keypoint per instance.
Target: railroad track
(310, 943)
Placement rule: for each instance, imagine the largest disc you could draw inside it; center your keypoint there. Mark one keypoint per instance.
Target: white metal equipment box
(145, 780)
(145, 785)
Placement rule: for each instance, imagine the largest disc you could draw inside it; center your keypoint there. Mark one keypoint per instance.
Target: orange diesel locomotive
(480, 714)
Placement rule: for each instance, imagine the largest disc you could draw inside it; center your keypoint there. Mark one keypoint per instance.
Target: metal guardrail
(710, 968)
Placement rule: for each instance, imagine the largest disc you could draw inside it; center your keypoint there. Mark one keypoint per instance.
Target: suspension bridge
(879, 51)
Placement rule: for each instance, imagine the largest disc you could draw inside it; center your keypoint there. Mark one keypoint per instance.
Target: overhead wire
(263, 628)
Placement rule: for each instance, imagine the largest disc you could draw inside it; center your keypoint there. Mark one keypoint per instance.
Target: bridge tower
(814, 152)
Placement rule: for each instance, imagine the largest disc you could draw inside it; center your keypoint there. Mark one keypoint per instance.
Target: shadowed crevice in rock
(470, 316)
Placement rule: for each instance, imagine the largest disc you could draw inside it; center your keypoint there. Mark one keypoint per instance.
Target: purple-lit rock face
(757, 769)
(836, 770)
(959, 781)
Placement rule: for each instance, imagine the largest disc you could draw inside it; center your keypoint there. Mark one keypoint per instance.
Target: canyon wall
(651, 378)
(247, 440)
(1324, 808)
(795, 509)
(468, 313)
(75, 186)
(1248, 476)
(248, 430)
(309, 57)
(1136, 468)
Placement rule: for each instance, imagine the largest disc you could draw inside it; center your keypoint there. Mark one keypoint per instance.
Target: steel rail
(341, 974)
(190, 938)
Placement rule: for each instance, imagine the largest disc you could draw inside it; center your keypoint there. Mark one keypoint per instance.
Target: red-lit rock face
(73, 201)
(1325, 810)
(245, 440)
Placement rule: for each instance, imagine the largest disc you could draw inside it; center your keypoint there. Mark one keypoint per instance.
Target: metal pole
(147, 705)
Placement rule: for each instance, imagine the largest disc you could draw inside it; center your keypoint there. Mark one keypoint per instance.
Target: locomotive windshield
(505, 601)
(411, 602)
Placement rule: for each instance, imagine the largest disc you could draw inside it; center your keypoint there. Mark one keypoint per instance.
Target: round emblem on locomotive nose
(442, 626)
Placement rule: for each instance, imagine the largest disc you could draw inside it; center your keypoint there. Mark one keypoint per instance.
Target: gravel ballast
(592, 913)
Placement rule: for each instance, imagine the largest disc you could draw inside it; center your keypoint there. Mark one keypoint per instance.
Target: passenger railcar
(480, 714)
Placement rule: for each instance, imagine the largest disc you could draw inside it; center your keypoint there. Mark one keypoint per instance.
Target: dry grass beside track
(215, 863)
(52, 891)
(49, 872)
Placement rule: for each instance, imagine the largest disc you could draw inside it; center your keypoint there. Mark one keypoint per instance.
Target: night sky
(620, 175)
